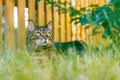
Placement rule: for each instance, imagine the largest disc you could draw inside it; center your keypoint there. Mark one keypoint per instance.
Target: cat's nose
(45, 40)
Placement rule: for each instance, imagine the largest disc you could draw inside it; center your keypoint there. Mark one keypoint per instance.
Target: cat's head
(39, 36)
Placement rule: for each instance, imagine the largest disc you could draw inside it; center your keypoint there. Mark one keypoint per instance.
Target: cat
(41, 37)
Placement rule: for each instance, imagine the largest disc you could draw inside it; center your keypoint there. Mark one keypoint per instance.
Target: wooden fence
(42, 13)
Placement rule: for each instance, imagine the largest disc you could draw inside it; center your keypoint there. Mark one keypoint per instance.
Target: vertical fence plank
(86, 4)
(81, 27)
(41, 13)
(48, 13)
(97, 36)
(62, 24)
(9, 17)
(68, 24)
(56, 23)
(21, 24)
(87, 7)
(100, 2)
(0, 24)
(89, 31)
(103, 2)
(93, 36)
(78, 25)
(83, 31)
(32, 11)
(74, 30)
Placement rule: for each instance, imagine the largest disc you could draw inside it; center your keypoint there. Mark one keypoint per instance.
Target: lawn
(100, 62)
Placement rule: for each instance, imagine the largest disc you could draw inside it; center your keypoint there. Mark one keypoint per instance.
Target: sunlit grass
(99, 62)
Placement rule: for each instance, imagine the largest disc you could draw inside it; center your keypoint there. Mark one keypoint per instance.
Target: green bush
(106, 17)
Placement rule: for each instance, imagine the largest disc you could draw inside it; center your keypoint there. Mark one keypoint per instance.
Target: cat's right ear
(31, 26)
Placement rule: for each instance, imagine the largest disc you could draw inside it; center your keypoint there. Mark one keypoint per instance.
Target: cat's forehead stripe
(41, 27)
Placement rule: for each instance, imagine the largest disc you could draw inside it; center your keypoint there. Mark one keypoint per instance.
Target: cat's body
(72, 46)
(40, 37)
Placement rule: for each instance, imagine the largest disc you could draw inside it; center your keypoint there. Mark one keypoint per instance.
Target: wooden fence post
(48, 13)
(41, 13)
(89, 31)
(56, 23)
(21, 24)
(78, 6)
(62, 24)
(74, 27)
(0, 24)
(32, 11)
(9, 27)
(83, 32)
(68, 24)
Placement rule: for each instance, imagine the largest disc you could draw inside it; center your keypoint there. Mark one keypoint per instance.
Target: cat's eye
(38, 34)
(49, 33)
(32, 38)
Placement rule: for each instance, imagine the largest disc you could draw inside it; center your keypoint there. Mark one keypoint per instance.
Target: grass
(100, 62)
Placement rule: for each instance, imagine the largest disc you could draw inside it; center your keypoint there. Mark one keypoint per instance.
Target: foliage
(38, 0)
(106, 17)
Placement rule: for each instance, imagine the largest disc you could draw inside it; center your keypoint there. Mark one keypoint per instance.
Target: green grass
(100, 62)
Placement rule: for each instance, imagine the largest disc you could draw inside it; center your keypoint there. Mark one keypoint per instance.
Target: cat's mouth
(44, 44)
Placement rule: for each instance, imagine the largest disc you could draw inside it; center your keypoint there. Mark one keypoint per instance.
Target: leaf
(96, 32)
(83, 19)
(114, 1)
(38, 0)
(83, 9)
(106, 33)
(105, 24)
(77, 22)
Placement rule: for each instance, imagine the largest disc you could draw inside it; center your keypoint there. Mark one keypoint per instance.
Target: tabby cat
(41, 37)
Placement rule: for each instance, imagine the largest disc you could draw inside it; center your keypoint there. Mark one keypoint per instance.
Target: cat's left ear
(50, 25)
(31, 25)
